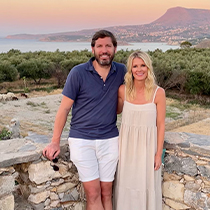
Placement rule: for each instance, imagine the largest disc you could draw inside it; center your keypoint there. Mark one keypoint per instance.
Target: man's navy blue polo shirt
(95, 101)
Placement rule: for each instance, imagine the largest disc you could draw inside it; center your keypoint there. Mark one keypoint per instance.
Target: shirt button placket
(104, 86)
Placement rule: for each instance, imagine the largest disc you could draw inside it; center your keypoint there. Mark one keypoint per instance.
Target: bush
(185, 44)
(35, 69)
(186, 70)
(198, 83)
(5, 134)
(7, 72)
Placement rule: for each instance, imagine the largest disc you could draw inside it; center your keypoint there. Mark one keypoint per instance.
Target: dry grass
(191, 118)
(201, 127)
(19, 87)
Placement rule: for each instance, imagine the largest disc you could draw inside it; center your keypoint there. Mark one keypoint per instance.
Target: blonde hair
(129, 79)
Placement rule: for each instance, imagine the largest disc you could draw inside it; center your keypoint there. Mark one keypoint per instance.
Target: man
(91, 90)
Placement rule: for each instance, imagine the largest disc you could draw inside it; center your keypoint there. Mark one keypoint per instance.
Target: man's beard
(106, 62)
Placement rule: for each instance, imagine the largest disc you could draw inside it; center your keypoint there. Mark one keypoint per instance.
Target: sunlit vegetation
(186, 71)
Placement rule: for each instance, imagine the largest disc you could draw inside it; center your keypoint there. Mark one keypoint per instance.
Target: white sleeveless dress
(137, 185)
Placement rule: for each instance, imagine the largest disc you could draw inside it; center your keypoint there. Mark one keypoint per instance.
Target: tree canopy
(186, 70)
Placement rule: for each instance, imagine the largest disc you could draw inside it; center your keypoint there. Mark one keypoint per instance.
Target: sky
(51, 16)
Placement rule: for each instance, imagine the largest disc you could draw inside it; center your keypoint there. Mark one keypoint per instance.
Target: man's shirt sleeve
(72, 85)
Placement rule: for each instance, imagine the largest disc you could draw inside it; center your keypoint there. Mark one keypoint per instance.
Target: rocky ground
(36, 114)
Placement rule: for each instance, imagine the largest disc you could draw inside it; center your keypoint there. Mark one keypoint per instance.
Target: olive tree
(35, 69)
(7, 72)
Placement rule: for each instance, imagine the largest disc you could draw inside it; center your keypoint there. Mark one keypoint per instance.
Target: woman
(138, 179)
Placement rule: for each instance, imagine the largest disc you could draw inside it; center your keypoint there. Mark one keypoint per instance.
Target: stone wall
(7, 185)
(29, 181)
(186, 174)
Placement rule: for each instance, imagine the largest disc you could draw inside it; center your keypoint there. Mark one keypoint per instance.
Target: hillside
(204, 44)
(182, 17)
(176, 25)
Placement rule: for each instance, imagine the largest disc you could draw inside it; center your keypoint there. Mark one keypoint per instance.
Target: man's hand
(51, 151)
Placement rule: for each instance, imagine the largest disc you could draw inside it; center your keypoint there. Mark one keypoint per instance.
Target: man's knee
(93, 194)
(106, 189)
(92, 191)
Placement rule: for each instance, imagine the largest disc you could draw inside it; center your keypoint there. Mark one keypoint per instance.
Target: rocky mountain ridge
(176, 25)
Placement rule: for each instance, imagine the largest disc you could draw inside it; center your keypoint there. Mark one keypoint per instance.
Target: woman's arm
(121, 95)
(160, 101)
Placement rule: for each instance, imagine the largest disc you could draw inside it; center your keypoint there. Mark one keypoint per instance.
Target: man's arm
(53, 149)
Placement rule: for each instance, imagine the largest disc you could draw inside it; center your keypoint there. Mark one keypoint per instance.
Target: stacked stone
(186, 174)
(48, 189)
(7, 186)
(28, 181)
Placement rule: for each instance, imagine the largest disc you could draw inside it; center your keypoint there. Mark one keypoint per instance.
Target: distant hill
(204, 44)
(176, 25)
(182, 17)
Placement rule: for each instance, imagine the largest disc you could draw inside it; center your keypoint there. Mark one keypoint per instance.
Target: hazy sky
(49, 16)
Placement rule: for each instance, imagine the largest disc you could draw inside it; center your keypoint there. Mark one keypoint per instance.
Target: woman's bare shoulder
(160, 94)
(160, 90)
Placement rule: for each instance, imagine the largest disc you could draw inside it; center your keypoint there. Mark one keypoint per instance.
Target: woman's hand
(158, 162)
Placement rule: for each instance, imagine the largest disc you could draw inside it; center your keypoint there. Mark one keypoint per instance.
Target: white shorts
(94, 158)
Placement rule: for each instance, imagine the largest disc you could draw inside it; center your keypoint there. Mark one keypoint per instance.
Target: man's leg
(106, 195)
(93, 163)
(83, 155)
(93, 195)
(107, 154)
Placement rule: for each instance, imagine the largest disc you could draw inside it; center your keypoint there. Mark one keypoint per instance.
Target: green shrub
(184, 70)
(5, 134)
(7, 72)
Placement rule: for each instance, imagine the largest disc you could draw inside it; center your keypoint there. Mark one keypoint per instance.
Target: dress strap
(155, 94)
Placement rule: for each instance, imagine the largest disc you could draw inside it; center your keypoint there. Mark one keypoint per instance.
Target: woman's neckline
(140, 104)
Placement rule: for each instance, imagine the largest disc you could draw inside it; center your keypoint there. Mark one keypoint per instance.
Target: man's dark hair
(102, 34)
